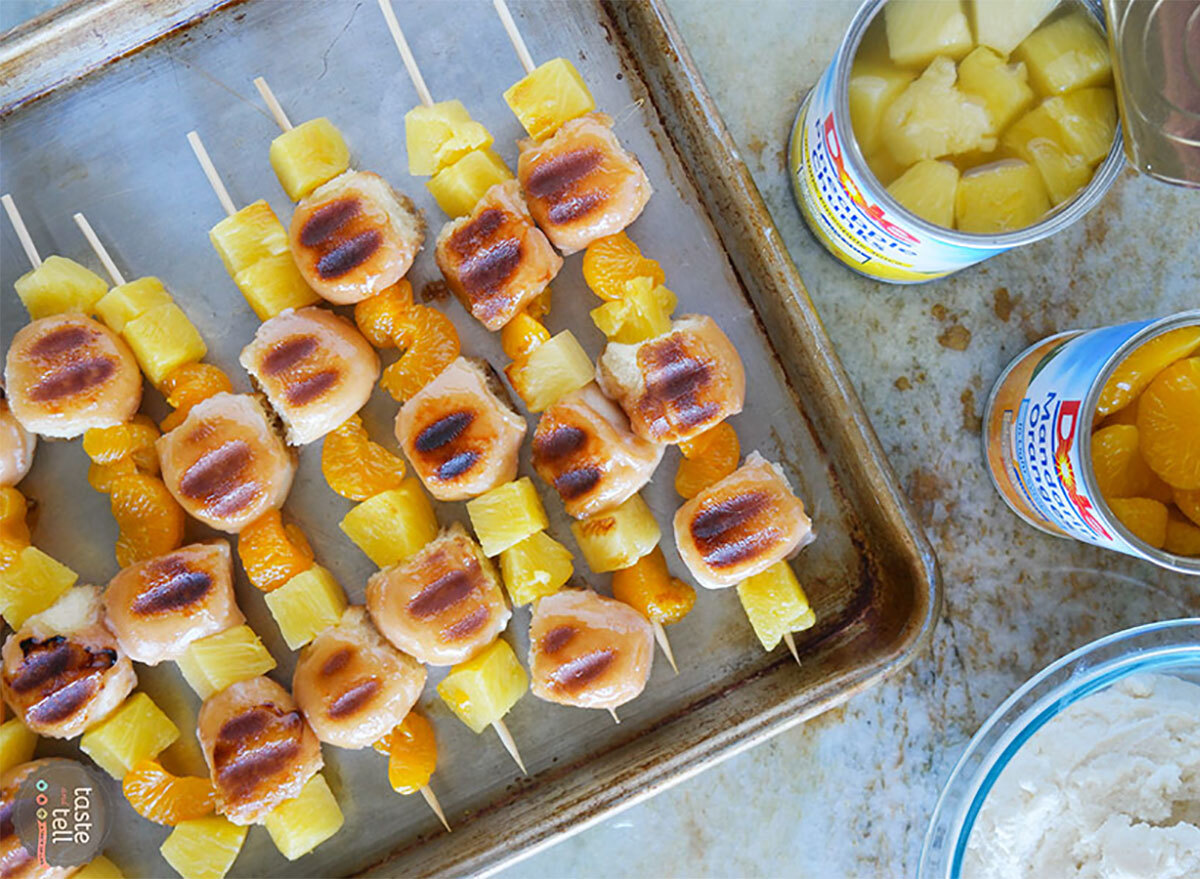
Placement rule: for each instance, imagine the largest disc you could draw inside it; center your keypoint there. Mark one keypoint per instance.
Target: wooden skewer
(272, 103)
(613, 712)
(432, 800)
(99, 249)
(791, 644)
(509, 745)
(210, 171)
(14, 216)
(660, 635)
(406, 55)
(514, 35)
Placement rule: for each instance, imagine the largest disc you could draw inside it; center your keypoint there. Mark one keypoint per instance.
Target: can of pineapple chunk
(1040, 417)
(851, 212)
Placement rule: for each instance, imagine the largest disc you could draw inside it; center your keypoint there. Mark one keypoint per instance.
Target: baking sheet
(112, 145)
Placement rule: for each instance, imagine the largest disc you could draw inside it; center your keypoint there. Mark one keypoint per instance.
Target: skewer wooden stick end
(435, 806)
(99, 249)
(791, 644)
(613, 712)
(406, 55)
(14, 216)
(210, 171)
(509, 745)
(514, 35)
(660, 635)
(272, 103)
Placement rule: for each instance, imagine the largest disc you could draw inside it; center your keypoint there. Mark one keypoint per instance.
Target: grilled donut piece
(354, 236)
(158, 607)
(315, 369)
(495, 259)
(17, 445)
(584, 448)
(460, 435)
(67, 373)
(225, 463)
(16, 861)
(352, 685)
(742, 525)
(259, 749)
(444, 604)
(677, 385)
(64, 671)
(580, 184)
(587, 650)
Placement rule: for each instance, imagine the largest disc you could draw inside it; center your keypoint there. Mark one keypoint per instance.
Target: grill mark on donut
(445, 592)
(573, 207)
(444, 431)
(326, 220)
(60, 341)
(304, 391)
(574, 483)
(64, 702)
(468, 625)
(675, 381)
(557, 638)
(254, 746)
(457, 465)
(552, 176)
(173, 586)
(217, 479)
(72, 379)
(484, 273)
(577, 673)
(60, 674)
(353, 699)
(337, 660)
(350, 254)
(286, 354)
(558, 442)
(471, 236)
(721, 534)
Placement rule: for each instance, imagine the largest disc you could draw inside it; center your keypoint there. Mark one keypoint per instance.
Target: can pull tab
(1156, 65)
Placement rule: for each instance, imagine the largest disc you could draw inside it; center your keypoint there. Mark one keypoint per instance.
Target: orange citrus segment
(1168, 424)
(412, 754)
(1119, 468)
(610, 262)
(14, 530)
(648, 588)
(134, 439)
(150, 519)
(1188, 503)
(168, 799)
(1137, 370)
(431, 344)
(539, 306)
(354, 466)
(708, 459)
(1183, 537)
(379, 317)
(521, 335)
(272, 553)
(102, 476)
(188, 385)
(1146, 518)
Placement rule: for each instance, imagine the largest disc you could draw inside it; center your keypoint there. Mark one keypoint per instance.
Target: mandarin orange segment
(102, 476)
(190, 384)
(539, 306)
(354, 466)
(648, 587)
(14, 530)
(521, 335)
(412, 754)
(1119, 468)
(134, 439)
(271, 552)
(431, 344)
(1183, 536)
(708, 459)
(168, 799)
(150, 519)
(1146, 518)
(610, 262)
(1168, 424)
(1136, 371)
(380, 317)
(1188, 503)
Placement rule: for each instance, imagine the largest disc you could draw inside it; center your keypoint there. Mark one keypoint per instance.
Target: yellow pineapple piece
(506, 515)
(875, 81)
(99, 867)
(32, 583)
(932, 118)
(642, 313)
(1037, 139)
(884, 167)
(1003, 87)
(1065, 54)
(16, 744)
(927, 189)
(137, 730)
(127, 301)
(1003, 25)
(393, 524)
(457, 188)
(481, 690)
(1000, 197)
(273, 284)
(547, 97)
(553, 369)
(162, 340)
(536, 566)
(312, 153)
(1086, 120)
(253, 233)
(616, 539)
(918, 31)
(775, 604)
(440, 135)
(211, 664)
(203, 848)
(299, 825)
(306, 604)
(57, 285)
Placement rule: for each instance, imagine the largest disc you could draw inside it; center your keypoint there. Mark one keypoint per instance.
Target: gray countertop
(849, 793)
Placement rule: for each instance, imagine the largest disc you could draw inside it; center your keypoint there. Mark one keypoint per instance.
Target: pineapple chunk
(306, 604)
(203, 848)
(308, 155)
(884, 167)
(16, 744)
(99, 867)
(211, 664)
(125, 302)
(162, 340)
(32, 583)
(553, 369)
(642, 313)
(775, 604)
(457, 188)
(274, 284)
(393, 524)
(1004, 88)
(1003, 25)
(616, 539)
(538, 565)
(253, 233)
(927, 189)
(1062, 173)
(57, 285)
(440, 135)
(933, 118)
(547, 97)
(506, 515)
(299, 825)
(1000, 197)
(1067, 54)
(481, 690)
(137, 730)
(874, 83)
(1087, 122)
(918, 30)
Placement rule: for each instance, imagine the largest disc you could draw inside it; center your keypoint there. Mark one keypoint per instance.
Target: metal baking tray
(97, 99)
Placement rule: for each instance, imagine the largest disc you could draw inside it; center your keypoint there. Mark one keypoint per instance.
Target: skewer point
(791, 644)
(660, 635)
(432, 800)
(509, 745)
(613, 712)
(14, 216)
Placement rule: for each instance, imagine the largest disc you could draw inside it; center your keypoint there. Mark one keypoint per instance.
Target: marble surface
(849, 793)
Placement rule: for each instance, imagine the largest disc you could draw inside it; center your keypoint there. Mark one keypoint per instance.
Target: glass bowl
(1171, 647)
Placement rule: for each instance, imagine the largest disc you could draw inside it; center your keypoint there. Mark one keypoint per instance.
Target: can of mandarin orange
(1095, 435)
